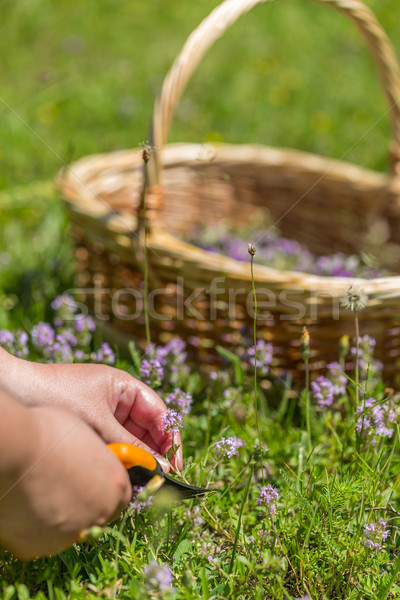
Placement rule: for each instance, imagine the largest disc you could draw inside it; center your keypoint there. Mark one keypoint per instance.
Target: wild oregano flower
(59, 351)
(228, 447)
(157, 578)
(375, 534)
(267, 498)
(180, 401)
(375, 421)
(139, 504)
(172, 421)
(42, 336)
(323, 391)
(15, 343)
(84, 327)
(152, 372)
(65, 308)
(104, 355)
(264, 356)
(337, 377)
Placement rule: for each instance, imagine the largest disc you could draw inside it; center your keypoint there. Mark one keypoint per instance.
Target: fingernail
(163, 462)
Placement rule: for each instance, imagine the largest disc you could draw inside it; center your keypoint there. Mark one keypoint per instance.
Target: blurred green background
(81, 77)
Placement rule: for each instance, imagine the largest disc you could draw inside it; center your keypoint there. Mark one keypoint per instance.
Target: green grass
(79, 79)
(229, 547)
(291, 74)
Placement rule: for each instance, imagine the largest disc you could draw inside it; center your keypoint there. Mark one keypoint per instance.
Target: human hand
(68, 481)
(118, 406)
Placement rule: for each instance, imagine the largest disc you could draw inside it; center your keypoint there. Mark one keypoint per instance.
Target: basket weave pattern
(206, 298)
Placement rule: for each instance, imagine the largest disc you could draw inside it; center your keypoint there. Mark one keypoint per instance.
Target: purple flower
(20, 344)
(157, 578)
(228, 447)
(84, 323)
(60, 351)
(68, 336)
(374, 420)
(369, 366)
(105, 355)
(152, 372)
(136, 505)
(268, 497)
(323, 391)
(337, 378)
(175, 349)
(172, 357)
(79, 355)
(15, 343)
(6, 339)
(172, 421)
(264, 356)
(375, 534)
(65, 308)
(180, 401)
(65, 301)
(42, 336)
(84, 326)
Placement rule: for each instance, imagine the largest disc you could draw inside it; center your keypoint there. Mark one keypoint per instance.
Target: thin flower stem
(255, 366)
(357, 353)
(246, 493)
(308, 422)
(146, 274)
(217, 523)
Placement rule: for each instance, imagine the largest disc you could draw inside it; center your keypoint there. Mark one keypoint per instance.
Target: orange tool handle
(133, 456)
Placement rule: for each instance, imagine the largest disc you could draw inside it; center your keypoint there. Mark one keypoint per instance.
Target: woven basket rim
(91, 167)
(79, 174)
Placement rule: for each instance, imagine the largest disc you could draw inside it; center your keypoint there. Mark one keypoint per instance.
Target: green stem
(246, 493)
(357, 368)
(308, 423)
(255, 366)
(146, 274)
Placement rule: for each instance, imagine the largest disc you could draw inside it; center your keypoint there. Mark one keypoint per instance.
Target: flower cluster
(67, 340)
(139, 504)
(15, 343)
(172, 421)
(228, 447)
(375, 534)
(323, 391)
(164, 363)
(179, 401)
(157, 578)
(369, 366)
(337, 378)
(264, 356)
(326, 389)
(268, 498)
(374, 420)
(279, 252)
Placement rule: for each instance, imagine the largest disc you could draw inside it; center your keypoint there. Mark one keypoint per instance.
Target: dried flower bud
(251, 249)
(146, 153)
(344, 346)
(354, 298)
(305, 344)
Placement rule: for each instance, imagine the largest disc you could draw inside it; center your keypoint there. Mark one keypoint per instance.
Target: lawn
(315, 511)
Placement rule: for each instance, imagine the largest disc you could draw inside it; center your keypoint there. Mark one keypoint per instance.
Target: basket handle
(215, 25)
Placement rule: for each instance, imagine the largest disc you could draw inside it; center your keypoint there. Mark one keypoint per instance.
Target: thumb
(112, 431)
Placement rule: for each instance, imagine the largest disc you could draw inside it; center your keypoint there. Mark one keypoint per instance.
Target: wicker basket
(206, 298)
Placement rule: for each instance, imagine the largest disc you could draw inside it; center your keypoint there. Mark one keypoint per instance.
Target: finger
(145, 408)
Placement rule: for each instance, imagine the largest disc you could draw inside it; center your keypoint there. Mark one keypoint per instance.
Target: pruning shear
(142, 467)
